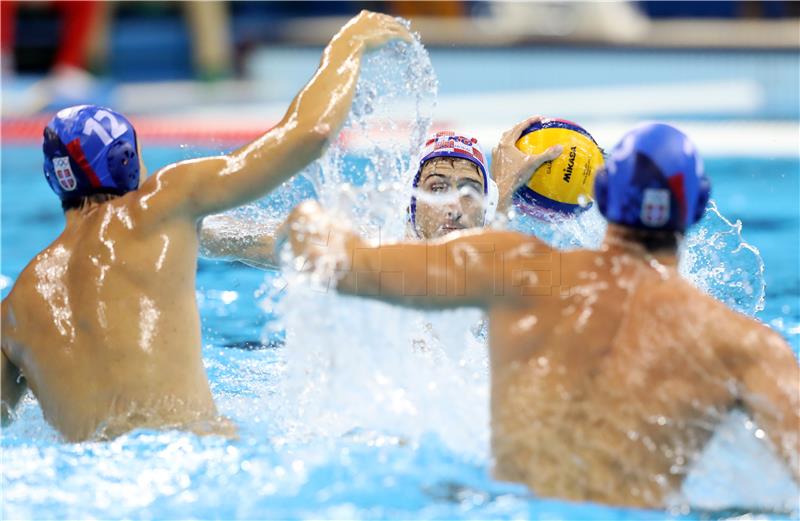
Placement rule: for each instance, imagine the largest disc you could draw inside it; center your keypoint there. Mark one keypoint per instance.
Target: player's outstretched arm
(227, 238)
(210, 185)
(475, 268)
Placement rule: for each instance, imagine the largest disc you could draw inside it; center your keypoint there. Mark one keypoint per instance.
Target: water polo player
(452, 190)
(102, 325)
(609, 372)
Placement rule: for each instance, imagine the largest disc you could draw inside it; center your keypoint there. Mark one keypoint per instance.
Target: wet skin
(609, 372)
(103, 326)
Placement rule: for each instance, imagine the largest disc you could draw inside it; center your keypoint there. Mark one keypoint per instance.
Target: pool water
(277, 470)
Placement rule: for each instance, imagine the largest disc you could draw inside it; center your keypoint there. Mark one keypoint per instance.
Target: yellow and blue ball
(565, 184)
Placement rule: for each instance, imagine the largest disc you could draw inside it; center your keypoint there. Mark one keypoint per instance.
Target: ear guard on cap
(123, 165)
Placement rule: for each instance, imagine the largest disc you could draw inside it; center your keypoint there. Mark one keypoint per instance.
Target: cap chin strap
(492, 197)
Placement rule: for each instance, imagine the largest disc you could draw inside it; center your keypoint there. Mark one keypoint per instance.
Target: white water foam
(358, 365)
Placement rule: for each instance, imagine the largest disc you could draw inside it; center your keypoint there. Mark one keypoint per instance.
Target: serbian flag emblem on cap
(64, 173)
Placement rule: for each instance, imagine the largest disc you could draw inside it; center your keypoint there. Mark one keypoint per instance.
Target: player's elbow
(311, 138)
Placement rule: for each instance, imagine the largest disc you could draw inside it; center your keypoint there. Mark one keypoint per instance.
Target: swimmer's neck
(87, 207)
(657, 245)
(76, 215)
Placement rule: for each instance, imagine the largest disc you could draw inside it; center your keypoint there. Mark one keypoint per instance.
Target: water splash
(583, 230)
(714, 255)
(382, 368)
(717, 260)
(724, 476)
(353, 364)
(364, 174)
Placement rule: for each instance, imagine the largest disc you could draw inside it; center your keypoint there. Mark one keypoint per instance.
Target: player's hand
(511, 167)
(375, 29)
(304, 227)
(317, 238)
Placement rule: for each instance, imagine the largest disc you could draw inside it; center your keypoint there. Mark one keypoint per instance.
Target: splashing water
(718, 261)
(364, 174)
(724, 475)
(383, 368)
(714, 256)
(583, 230)
(353, 365)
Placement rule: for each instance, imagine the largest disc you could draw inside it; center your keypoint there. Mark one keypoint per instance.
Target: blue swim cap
(653, 180)
(90, 150)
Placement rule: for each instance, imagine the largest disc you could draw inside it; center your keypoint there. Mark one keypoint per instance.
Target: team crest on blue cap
(655, 207)
(64, 174)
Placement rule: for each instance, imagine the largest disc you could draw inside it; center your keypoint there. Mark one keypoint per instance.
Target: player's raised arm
(466, 269)
(204, 186)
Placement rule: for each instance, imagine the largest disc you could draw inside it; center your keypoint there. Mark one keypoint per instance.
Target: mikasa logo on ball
(64, 173)
(655, 207)
(570, 164)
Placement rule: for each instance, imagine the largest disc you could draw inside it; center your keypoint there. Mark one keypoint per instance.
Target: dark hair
(80, 202)
(451, 160)
(653, 241)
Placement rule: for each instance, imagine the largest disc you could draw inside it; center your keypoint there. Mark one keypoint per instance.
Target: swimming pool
(277, 470)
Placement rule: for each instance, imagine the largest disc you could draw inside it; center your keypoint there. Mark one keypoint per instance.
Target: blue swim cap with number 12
(90, 150)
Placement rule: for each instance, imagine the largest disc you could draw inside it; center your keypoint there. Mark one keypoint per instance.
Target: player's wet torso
(87, 325)
(606, 392)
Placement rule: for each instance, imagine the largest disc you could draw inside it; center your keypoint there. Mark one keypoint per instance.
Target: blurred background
(188, 71)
